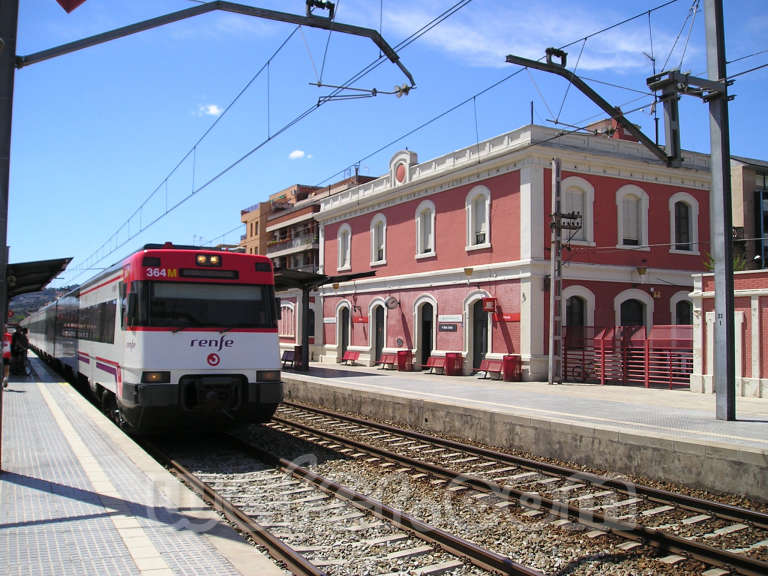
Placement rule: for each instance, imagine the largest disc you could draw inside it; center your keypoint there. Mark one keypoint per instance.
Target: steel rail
(740, 563)
(460, 547)
(276, 547)
(723, 511)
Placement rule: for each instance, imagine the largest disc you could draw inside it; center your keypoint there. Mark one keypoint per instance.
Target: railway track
(678, 528)
(316, 525)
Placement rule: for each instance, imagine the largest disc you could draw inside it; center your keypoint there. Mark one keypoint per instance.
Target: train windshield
(183, 305)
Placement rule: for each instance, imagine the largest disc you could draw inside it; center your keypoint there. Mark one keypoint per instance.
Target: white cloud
(298, 154)
(483, 34)
(209, 110)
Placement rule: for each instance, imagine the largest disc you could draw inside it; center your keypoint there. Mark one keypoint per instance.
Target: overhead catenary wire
(497, 84)
(95, 257)
(356, 77)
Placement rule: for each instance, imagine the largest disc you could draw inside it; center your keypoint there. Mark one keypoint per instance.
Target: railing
(626, 354)
(297, 242)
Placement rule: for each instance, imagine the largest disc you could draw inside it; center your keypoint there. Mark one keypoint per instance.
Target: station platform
(77, 496)
(655, 433)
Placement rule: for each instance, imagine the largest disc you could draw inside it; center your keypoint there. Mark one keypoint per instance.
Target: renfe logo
(222, 342)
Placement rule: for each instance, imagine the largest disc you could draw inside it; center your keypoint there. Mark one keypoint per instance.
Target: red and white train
(169, 337)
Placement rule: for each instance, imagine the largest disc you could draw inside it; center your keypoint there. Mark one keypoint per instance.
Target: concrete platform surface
(663, 434)
(77, 496)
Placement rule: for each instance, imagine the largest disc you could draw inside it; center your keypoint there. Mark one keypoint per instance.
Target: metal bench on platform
(388, 360)
(490, 365)
(350, 356)
(288, 356)
(435, 362)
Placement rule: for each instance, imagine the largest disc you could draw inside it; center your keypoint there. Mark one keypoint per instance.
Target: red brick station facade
(461, 248)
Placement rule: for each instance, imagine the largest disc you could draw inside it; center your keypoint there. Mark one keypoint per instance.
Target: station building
(461, 247)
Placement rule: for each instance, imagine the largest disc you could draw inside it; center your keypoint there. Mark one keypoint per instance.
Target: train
(171, 337)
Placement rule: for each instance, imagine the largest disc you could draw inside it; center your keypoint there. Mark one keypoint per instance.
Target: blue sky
(99, 133)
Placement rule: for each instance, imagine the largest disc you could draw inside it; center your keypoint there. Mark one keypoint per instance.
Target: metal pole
(555, 375)
(721, 218)
(305, 329)
(9, 13)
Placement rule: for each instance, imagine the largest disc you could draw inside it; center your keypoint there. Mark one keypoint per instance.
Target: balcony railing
(298, 242)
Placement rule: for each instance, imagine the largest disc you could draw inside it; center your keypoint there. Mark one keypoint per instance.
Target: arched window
(579, 196)
(378, 239)
(632, 204)
(478, 208)
(344, 245)
(684, 223)
(425, 229)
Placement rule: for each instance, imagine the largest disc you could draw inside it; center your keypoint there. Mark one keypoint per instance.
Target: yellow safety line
(145, 555)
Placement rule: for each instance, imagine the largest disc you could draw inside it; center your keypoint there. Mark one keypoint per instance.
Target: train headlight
(156, 377)
(268, 375)
(208, 260)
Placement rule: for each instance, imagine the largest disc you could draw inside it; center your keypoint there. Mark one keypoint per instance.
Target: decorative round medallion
(400, 173)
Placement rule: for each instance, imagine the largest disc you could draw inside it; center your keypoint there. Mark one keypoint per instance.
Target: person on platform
(6, 358)
(19, 345)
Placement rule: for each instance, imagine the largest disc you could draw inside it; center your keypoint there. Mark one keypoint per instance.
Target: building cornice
(505, 271)
(528, 146)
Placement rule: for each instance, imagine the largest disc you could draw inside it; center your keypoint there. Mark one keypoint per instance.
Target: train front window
(182, 305)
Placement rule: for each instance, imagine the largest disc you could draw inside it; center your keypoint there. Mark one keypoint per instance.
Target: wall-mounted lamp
(641, 270)
(468, 271)
(335, 285)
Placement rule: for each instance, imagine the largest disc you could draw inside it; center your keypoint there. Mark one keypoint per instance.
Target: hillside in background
(23, 305)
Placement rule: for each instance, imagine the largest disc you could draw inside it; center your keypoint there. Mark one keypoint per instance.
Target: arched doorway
(575, 320)
(426, 327)
(343, 330)
(575, 311)
(378, 332)
(632, 313)
(684, 312)
(479, 334)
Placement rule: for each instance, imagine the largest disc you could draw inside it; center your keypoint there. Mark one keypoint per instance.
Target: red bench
(435, 362)
(489, 365)
(350, 356)
(388, 360)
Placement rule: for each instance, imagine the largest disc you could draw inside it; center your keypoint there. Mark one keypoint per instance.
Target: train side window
(123, 305)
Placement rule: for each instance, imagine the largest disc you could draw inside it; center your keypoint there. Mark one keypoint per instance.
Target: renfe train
(171, 337)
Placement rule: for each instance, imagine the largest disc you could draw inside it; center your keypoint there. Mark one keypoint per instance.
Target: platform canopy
(288, 279)
(23, 277)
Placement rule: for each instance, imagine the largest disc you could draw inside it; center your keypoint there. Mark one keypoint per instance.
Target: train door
(343, 330)
(426, 322)
(378, 331)
(479, 334)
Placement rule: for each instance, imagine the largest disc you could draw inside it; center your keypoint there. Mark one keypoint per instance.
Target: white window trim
(631, 189)
(426, 204)
(292, 307)
(469, 301)
(634, 294)
(469, 202)
(376, 219)
(693, 205)
(340, 263)
(678, 297)
(587, 217)
(372, 325)
(589, 298)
